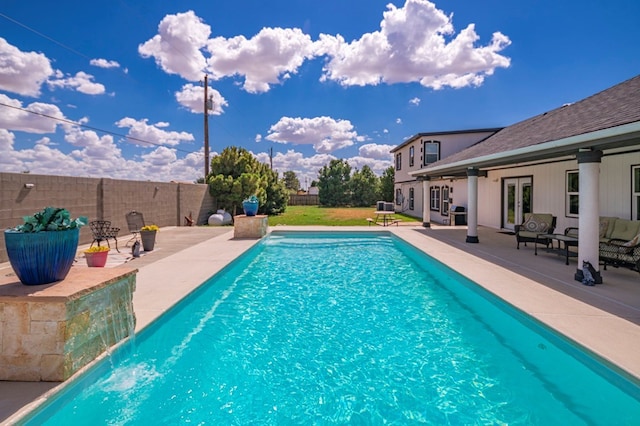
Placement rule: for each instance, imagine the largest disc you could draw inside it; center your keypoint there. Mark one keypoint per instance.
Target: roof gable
(436, 135)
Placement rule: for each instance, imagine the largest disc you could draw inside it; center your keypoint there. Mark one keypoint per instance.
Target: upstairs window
(431, 152)
(411, 156)
(399, 161)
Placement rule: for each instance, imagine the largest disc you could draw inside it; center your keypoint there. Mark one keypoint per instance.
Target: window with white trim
(572, 200)
(399, 161)
(444, 211)
(434, 199)
(430, 152)
(411, 194)
(635, 192)
(411, 155)
(399, 196)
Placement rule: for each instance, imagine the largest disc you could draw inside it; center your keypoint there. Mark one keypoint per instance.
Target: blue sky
(114, 88)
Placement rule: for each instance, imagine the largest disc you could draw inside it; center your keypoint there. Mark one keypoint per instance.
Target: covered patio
(619, 295)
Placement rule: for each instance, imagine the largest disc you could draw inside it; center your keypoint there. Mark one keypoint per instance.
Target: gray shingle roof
(612, 107)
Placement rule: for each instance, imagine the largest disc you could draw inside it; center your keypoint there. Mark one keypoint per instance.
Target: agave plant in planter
(43, 248)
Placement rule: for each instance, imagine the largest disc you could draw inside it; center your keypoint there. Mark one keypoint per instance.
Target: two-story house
(420, 151)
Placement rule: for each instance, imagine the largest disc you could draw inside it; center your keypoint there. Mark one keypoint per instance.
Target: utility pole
(206, 129)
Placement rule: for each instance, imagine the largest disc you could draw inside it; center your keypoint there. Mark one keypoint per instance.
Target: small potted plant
(148, 236)
(43, 248)
(96, 256)
(250, 206)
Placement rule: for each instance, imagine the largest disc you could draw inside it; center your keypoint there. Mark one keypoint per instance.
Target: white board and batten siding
(549, 189)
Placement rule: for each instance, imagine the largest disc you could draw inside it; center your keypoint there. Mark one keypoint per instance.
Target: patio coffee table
(561, 239)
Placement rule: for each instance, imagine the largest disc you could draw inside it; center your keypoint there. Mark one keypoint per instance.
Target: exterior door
(517, 197)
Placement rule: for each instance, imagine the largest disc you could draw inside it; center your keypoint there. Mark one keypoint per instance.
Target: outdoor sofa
(620, 242)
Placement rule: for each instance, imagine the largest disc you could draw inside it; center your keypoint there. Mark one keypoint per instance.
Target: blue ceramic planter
(41, 257)
(250, 207)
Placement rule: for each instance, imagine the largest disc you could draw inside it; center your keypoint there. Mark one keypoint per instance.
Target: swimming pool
(344, 328)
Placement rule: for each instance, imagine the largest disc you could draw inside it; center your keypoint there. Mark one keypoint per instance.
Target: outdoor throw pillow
(604, 225)
(634, 241)
(535, 224)
(624, 229)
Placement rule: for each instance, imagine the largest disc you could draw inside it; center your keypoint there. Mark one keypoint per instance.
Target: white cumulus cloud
(104, 63)
(324, 133)
(377, 166)
(176, 47)
(98, 156)
(22, 72)
(140, 130)
(263, 60)
(415, 43)
(82, 82)
(377, 151)
(16, 118)
(305, 168)
(6, 142)
(191, 96)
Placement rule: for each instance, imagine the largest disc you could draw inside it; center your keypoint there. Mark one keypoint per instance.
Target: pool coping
(165, 282)
(614, 340)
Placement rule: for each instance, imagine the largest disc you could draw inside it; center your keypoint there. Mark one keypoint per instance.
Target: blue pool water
(344, 329)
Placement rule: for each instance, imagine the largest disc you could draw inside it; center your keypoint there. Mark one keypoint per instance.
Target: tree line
(236, 174)
(338, 186)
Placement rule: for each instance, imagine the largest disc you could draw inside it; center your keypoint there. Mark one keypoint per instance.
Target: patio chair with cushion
(535, 224)
(103, 231)
(135, 222)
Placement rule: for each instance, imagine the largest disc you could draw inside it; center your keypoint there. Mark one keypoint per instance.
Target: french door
(517, 196)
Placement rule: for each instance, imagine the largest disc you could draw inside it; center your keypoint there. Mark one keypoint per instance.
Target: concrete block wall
(161, 203)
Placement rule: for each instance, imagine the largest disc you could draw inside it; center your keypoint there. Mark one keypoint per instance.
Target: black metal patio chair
(103, 231)
(135, 222)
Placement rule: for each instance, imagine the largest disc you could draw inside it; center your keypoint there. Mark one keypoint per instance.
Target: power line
(84, 126)
(229, 134)
(45, 36)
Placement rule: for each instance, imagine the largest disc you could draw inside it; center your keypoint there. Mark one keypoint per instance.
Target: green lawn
(332, 216)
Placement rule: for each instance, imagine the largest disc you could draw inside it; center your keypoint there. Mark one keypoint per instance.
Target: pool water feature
(317, 328)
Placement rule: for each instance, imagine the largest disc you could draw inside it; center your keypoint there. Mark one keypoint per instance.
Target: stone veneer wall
(48, 335)
(161, 203)
(250, 226)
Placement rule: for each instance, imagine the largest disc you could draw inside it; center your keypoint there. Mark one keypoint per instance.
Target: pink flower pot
(97, 259)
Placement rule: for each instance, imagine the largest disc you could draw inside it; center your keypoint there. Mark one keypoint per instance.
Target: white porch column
(589, 211)
(472, 208)
(426, 204)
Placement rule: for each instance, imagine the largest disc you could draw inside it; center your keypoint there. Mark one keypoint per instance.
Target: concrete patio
(604, 318)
